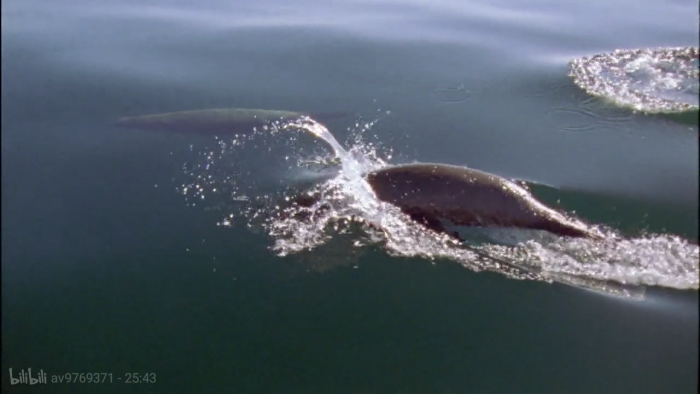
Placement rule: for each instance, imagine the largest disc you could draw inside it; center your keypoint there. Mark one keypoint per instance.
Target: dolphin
(431, 193)
(217, 121)
(428, 192)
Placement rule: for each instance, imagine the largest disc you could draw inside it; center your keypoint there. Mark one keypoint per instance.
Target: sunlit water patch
(340, 204)
(661, 80)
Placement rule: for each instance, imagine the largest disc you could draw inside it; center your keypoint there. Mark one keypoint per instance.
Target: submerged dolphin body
(429, 192)
(219, 121)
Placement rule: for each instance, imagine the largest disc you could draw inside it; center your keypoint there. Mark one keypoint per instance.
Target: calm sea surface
(106, 269)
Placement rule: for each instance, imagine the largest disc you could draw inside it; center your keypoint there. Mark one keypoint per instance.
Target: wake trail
(347, 207)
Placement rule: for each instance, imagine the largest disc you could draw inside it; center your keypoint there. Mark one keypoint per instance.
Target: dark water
(102, 271)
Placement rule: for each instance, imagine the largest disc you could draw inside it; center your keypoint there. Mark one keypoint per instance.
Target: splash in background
(660, 80)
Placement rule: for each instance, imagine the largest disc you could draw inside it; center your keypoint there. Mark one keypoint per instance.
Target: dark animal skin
(429, 192)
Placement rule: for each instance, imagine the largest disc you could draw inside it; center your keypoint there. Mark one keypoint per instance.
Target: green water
(105, 269)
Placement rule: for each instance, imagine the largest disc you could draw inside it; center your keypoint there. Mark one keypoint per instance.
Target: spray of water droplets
(647, 80)
(340, 203)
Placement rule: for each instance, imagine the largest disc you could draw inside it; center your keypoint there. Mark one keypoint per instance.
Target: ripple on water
(658, 80)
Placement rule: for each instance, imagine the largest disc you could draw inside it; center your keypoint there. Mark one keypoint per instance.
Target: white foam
(647, 80)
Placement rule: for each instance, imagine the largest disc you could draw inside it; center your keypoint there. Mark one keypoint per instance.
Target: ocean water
(108, 268)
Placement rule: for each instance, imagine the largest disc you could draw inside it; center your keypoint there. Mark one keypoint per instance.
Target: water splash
(344, 205)
(661, 80)
(309, 125)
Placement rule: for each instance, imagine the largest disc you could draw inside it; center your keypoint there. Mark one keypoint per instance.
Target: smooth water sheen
(113, 262)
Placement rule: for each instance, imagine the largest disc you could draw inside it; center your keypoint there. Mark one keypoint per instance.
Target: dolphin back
(467, 197)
